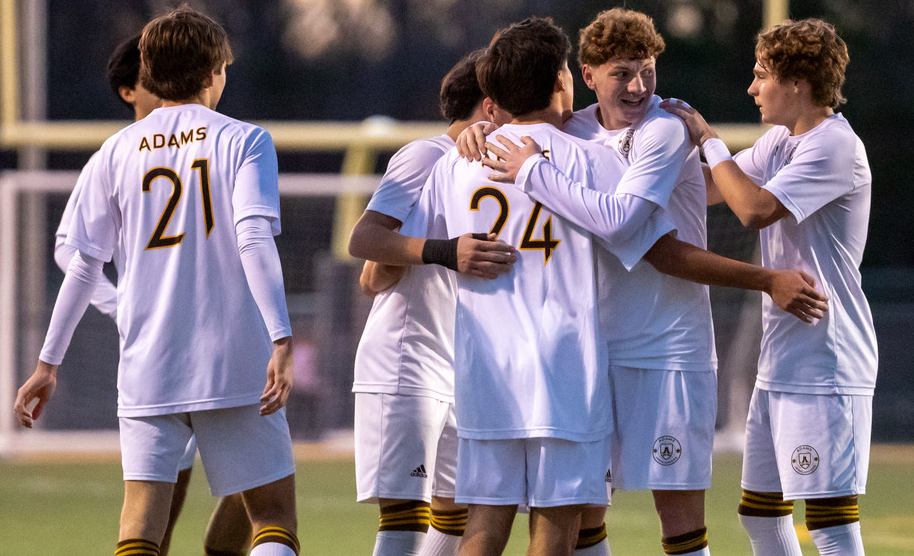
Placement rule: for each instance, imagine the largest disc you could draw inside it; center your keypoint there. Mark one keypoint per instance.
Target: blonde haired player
(810, 417)
(188, 198)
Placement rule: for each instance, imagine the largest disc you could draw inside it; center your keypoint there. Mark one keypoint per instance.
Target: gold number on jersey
(158, 238)
(499, 196)
(546, 243)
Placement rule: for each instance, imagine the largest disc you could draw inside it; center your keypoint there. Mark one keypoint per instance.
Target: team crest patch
(625, 142)
(805, 460)
(667, 450)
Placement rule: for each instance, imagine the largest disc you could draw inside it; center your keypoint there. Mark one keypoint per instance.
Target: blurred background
(351, 60)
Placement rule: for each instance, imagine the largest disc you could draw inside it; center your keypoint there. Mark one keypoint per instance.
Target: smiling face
(624, 87)
(776, 99)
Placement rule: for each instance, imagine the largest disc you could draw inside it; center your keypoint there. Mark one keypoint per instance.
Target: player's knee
(764, 504)
(831, 512)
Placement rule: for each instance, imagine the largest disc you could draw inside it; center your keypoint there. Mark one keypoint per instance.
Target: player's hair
(519, 69)
(460, 91)
(179, 50)
(619, 33)
(124, 67)
(808, 49)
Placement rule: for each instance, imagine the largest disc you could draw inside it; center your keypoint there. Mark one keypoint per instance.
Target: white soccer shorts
(533, 472)
(405, 447)
(807, 445)
(664, 428)
(190, 452)
(239, 448)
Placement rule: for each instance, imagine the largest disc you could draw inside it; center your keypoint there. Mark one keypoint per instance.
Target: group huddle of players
(541, 328)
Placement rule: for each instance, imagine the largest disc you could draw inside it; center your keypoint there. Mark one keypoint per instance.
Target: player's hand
(279, 377)
(511, 158)
(40, 386)
(484, 258)
(795, 292)
(471, 143)
(699, 130)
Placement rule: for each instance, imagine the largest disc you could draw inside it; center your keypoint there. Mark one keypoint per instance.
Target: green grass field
(70, 506)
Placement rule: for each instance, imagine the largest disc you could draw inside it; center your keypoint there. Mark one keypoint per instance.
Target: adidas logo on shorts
(419, 472)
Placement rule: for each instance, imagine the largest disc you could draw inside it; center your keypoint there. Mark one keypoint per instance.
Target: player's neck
(547, 116)
(809, 119)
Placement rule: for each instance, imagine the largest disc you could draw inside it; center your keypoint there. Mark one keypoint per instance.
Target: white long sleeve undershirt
(613, 218)
(262, 268)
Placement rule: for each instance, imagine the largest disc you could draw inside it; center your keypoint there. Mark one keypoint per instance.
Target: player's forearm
(755, 207)
(380, 244)
(82, 276)
(263, 271)
(688, 262)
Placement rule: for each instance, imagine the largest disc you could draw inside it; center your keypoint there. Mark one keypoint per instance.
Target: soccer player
(810, 416)
(229, 521)
(662, 373)
(188, 199)
(406, 440)
(532, 411)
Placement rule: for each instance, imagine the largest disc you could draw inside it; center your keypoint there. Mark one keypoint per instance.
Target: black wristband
(441, 251)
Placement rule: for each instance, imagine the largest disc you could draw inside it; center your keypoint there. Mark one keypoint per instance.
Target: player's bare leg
(229, 528)
(682, 520)
(271, 508)
(179, 494)
(591, 540)
(488, 529)
(553, 531)
(144, 516)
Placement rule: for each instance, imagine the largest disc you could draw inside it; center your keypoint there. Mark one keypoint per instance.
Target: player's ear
(210, 79)
(128, 94)
(587, 74)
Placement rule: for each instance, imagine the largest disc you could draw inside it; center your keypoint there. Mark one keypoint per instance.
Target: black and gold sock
(831, 512)
(207, 551)
(764, 504)
(136, 547)
(685, 543)
(279, 535)
(408, 516)
(590, 537)
(452, 522)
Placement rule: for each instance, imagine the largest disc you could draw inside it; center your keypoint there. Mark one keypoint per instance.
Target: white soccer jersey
(407, 346)
(653, 320)
(823, 178)
(528, 358)
(167, 193)
(104, 298)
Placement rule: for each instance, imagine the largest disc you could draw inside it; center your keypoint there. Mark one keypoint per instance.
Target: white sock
(599, 549)
(843, 540)
(272, 549)
(437, 543)
(703, 552)
(396, 543)
(772, 536)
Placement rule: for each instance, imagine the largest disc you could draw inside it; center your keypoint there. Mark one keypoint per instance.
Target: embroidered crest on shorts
(625, 142)
(805, 460)
(667, 450)
(419, 472)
